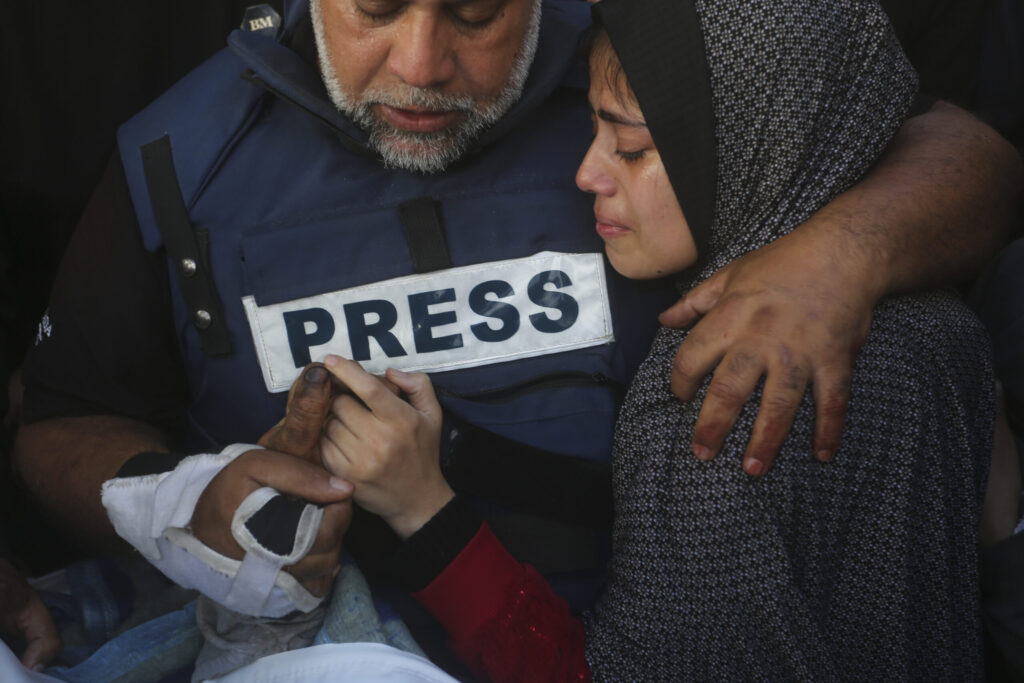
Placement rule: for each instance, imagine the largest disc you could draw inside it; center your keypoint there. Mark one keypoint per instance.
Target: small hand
(23, 614)
(789, 313)
(388, 448)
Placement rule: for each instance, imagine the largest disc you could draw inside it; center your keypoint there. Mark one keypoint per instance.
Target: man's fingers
(784, 388)
(696, 303)
(298, 478)
(317, 569)
(333, 526)
(40, 634)
(696, 358)
(308, 403)
(733, 383)
(831, 397)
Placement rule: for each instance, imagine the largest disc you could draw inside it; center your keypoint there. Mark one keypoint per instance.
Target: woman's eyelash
(630, 157)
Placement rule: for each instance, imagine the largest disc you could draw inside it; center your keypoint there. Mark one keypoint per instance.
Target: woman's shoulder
(927, 338)
(927, 322)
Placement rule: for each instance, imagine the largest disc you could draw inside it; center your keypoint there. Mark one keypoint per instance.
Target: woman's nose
(591, 176)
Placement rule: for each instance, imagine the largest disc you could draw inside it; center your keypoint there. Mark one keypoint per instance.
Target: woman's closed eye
(631, 156)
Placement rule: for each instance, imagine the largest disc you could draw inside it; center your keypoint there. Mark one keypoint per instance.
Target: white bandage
(153, 513)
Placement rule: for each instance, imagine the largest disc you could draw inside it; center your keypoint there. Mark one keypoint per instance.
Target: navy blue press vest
(286, 203)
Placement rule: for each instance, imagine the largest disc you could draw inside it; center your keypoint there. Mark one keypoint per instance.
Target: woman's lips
(418, 121)
(609, 229)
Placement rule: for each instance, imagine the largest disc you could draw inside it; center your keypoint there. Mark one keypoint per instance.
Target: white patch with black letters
(449, 319)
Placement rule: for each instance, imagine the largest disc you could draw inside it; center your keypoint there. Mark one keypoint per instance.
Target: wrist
(854, 258)
(425, 555)
(408, 521)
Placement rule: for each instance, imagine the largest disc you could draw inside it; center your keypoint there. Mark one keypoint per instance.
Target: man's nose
(422, 54)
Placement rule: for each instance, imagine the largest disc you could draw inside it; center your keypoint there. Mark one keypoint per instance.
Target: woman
(737, 122)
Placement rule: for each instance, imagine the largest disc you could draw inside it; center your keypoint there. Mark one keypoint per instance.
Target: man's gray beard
(426, 152)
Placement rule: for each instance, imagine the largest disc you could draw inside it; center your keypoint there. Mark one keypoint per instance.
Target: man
(419, 212)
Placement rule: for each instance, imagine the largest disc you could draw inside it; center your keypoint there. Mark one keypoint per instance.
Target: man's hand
(23, 614)
(794, 312)
(290, 466)
(387, 447)
(937, 204)
(309, 402)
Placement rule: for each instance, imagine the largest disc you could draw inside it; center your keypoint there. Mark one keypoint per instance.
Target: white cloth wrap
(153, 513)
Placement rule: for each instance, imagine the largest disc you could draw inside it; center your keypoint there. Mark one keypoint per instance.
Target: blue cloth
(162, 649)
(120, 620)
(355, 616)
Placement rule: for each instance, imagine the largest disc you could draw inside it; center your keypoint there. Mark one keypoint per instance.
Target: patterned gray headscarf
(859, 569)
(802, 96)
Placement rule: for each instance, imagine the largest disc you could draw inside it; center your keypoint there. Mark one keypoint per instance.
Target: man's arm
(99, 392)
(937, 204)
(64, 462)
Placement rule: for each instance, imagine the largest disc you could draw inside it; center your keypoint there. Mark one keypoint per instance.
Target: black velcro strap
(276, 523)
(187, 249)
(149, 462)
(424, 233)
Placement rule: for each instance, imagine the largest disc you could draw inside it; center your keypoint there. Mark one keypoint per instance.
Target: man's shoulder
(200, 115)
(216, 78)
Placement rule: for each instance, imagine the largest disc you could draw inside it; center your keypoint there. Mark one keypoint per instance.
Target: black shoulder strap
(424, 233)
(189, 250)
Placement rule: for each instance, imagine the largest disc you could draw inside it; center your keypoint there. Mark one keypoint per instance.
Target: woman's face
(638, 216)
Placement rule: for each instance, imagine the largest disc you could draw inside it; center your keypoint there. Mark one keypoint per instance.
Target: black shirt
(106, 344)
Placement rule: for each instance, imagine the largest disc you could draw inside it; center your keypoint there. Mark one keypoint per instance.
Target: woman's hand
(387, 447)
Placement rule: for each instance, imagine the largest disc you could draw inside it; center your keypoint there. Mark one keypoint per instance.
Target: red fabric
(504, 621)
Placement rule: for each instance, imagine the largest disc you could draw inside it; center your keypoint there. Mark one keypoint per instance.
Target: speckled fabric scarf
(859, 569)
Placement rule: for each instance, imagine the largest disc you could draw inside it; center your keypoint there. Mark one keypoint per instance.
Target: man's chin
(420, 152)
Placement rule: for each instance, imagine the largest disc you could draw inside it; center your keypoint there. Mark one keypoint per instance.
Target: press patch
(444, 320)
